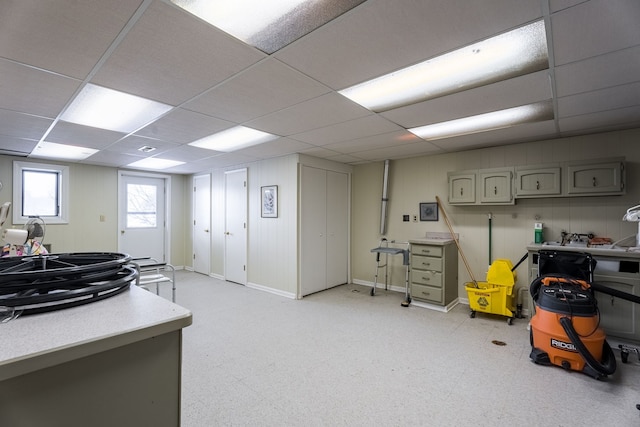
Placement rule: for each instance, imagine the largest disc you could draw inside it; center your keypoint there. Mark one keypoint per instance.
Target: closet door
(313, 224)
(337, 228)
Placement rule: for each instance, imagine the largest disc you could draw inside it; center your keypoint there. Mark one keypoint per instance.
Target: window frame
(63, 191)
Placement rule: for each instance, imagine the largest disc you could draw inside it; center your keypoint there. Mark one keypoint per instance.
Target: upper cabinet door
(538, 182)
(496, 186)
(596, 178)
(462, 188)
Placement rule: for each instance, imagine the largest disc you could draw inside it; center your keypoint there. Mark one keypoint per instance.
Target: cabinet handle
(425, 293)
(594, 182)
(461, 191)
(495, 190)
(537, 185)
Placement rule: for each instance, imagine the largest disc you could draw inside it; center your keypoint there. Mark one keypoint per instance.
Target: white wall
(420, 179)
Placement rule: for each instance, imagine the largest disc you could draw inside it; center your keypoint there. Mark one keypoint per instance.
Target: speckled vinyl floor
(344, 358)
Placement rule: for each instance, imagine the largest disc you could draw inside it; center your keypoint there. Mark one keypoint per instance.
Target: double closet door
(324, 223)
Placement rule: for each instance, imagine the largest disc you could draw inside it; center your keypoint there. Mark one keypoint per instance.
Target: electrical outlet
(405, 218)
(415, 218)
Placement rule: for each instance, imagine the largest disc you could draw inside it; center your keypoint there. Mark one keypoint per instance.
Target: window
(40, 190)
(141, 206)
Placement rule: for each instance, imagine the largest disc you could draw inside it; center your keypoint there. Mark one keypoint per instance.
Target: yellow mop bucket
(495, 296)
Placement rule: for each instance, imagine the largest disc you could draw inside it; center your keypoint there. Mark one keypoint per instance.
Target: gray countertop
(595, 251)
(38, 341)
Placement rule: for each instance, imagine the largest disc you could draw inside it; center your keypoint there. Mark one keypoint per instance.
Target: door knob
(206, 231)
(121, 231)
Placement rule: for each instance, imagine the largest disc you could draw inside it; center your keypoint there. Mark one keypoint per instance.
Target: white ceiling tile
(316, 113)
(264, 88)
(83, 136)
(382, 36)
(183, 126)
(621, 118)
(556, 5)
(186, 153)
(392, 139)
(10, 145)
(110, 158)
(515, 92)
(29, 90)
(357, 128)
(23, 125)
(398, 152)
(615, 68)
(170, 57)
(594, 28)
(65, 36)
(600, 100)
(279, 147)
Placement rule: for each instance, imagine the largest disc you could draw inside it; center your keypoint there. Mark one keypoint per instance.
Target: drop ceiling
(153, 49)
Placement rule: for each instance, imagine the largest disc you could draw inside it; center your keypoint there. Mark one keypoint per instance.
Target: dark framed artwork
(428, 211)
(269, 199)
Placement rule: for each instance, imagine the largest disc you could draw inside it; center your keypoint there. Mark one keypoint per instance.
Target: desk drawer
(427, 293)
(427, 277)
(426, 263)
(427, 250)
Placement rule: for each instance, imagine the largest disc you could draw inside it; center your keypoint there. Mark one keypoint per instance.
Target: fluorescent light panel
(110, 109)
(268, 25)
(51, 150)
(537, 112)
(233, 139)
(155, 163)
(515, 53)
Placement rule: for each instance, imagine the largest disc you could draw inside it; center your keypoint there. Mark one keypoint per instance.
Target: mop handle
(455, 239)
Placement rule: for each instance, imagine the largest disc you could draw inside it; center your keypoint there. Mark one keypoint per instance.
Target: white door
(202, 224)
(337, 228)
(141, 216)
(235, 242)
(313, 224)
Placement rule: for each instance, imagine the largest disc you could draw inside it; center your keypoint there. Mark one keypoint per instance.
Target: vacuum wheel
(509, 321)
(472, 314)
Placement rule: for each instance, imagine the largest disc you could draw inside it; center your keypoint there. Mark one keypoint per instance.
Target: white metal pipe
(385, 199)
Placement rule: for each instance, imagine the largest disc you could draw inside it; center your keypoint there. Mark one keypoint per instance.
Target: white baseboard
(278, 292)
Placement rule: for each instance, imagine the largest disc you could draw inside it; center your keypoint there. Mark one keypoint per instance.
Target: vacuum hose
(609, 366)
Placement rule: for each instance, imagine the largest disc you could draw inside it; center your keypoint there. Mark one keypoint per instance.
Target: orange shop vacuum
(565, 327)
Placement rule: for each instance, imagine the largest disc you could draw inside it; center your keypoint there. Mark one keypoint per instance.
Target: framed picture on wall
(269, 201)
(428, 211)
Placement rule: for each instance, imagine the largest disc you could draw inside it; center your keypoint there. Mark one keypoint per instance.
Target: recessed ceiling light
(110, 109)
(515, 53)
(155, 163)
(267, 25)
(234, 139)
(537, 112)
(51, 150)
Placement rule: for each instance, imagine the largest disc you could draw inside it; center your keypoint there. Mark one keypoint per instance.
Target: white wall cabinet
(502, 186)
(481, 187)
(324, 229)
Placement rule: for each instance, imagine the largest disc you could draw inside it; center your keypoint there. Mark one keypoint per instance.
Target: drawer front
(426, 263)
(427, 293)
(427, 277)
(427, 250)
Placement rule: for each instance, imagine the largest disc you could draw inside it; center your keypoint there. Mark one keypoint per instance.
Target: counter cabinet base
(136, 384)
